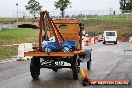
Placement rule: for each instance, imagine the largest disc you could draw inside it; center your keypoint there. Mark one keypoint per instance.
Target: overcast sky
(8, 7)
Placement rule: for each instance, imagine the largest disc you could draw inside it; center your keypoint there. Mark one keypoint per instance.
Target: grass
(16, 36)
(7, 52)
(122, 26)
(11, 20)
(5, 19)
(118, 18)
(19, 35)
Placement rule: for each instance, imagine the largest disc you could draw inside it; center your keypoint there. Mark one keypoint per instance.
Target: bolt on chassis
(63, 30)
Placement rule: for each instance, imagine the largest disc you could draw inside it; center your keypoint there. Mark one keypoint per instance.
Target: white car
(110, 37)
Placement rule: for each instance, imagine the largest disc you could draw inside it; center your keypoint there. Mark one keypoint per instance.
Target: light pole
(17, 12)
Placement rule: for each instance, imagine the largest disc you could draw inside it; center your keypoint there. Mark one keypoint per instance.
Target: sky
(8, 7)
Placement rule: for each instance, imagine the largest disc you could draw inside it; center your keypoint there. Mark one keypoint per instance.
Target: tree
(62, 5)
(34, 7)
(125, 5)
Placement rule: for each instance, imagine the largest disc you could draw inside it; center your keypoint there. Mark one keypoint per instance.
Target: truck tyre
(75, 70)
(35, 67)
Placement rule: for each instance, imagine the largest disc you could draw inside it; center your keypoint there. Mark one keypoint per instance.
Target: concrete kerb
(14, 58)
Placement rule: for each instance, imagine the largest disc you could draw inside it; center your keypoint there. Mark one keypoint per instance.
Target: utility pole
(17, 12)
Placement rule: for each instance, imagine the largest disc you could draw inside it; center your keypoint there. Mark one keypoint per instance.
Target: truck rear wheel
(75, 70)
(35, 67)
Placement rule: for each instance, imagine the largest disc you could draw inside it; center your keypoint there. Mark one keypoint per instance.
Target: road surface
(108, 62)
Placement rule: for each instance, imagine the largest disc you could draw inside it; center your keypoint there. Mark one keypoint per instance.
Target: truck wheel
(75, 70)
(35, 67)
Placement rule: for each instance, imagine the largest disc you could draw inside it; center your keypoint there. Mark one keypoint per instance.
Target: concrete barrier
(130, 40)
(24, 47)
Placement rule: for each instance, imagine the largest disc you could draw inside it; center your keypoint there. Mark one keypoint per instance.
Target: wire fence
(85, 14)
(105, 14)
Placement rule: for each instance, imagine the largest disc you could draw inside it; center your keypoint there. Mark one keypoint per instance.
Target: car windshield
(110, 33)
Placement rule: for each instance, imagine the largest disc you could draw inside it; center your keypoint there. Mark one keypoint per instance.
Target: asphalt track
(108, 62)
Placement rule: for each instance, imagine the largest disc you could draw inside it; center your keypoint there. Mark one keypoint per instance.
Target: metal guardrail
(127, 50)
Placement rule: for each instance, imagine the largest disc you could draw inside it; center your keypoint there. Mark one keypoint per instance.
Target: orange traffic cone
(123, 39)
(88, 41)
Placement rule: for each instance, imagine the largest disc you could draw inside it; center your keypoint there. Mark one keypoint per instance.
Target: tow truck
(66, 47)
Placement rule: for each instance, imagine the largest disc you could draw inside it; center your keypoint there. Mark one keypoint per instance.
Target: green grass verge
(11, 20)
(122, 26)
(117, 18)
(5, 19)
(7, 52)
(16, 36)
